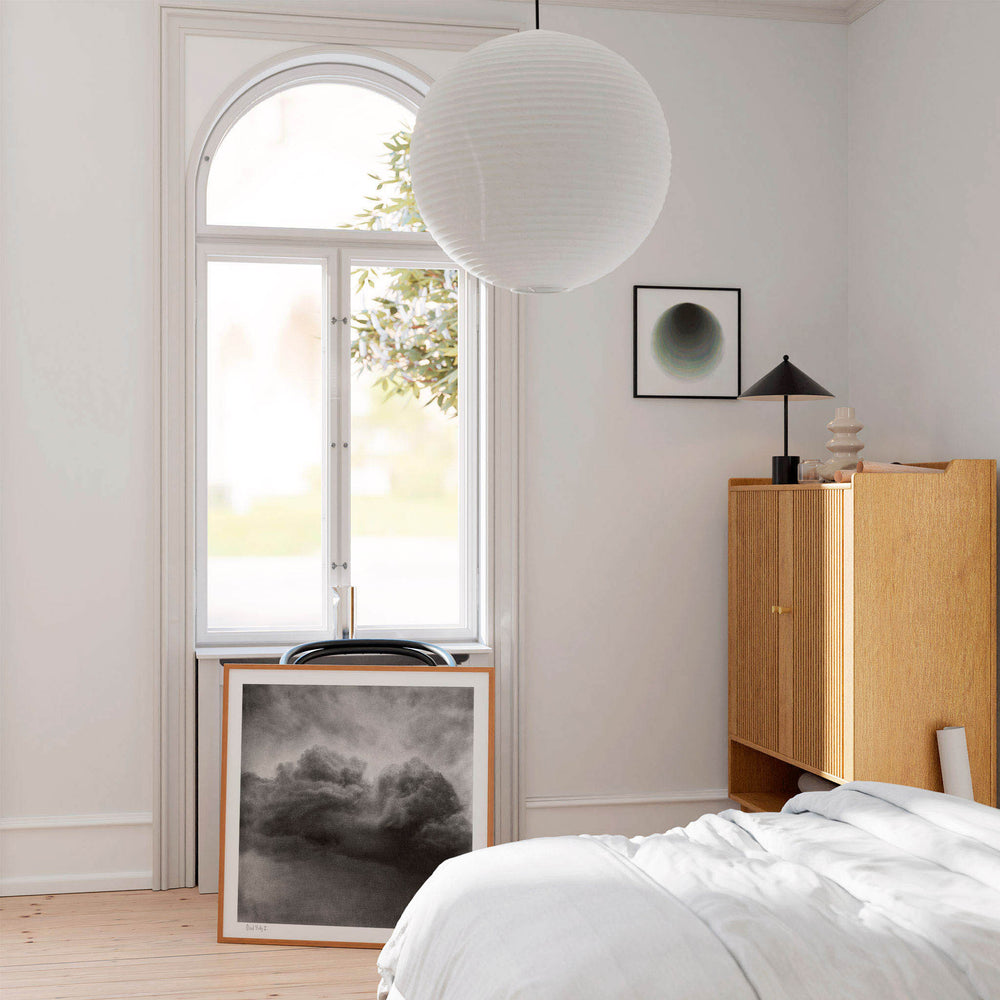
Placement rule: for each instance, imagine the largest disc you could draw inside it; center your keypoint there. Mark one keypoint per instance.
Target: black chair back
(367, 650)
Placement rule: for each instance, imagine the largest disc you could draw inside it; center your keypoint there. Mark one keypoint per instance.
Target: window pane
(405, 517)
(265, 446)
(304, 157)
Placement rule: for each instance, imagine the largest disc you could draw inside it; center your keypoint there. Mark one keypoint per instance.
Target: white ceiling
(828, 11)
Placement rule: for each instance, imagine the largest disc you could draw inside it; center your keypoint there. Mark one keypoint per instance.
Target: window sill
(227, 652)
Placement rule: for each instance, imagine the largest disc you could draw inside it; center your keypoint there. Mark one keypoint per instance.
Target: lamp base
(784, 470)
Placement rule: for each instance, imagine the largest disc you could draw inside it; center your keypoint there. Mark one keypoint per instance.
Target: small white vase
(844, 445)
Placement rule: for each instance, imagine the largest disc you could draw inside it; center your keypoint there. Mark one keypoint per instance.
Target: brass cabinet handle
(778, 610)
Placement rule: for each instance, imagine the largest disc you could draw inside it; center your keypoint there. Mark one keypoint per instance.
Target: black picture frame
(636, 292)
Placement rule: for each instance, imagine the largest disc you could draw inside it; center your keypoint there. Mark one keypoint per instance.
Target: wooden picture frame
(686, 342)
(343, 787)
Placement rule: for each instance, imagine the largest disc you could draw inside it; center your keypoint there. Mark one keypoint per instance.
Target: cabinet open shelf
(759, 801)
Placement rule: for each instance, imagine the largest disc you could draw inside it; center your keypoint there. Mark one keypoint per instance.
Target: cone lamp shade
(540, 161)
(784, 380)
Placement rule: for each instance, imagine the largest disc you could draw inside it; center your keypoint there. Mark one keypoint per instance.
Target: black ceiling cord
(537, 24)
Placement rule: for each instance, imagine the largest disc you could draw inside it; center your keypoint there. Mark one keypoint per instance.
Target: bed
(867, 892)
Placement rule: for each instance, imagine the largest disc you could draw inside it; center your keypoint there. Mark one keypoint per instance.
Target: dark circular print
(687, 340)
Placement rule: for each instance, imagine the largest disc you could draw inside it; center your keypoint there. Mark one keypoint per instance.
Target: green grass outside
(289, 526)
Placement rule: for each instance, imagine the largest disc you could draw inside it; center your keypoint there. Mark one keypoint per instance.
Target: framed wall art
(343, 788)
(685, 342)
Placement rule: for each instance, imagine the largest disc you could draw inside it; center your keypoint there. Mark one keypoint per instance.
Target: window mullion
(339, 484)
(330, 456)
(332, 463)
(344, 328)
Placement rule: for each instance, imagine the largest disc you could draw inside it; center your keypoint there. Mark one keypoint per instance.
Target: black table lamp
(785, 382)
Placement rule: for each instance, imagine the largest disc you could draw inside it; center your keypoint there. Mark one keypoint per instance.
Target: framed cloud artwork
(685, 342)
(343, 788)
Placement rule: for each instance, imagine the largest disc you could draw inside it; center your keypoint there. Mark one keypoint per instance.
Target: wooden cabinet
(862, 618)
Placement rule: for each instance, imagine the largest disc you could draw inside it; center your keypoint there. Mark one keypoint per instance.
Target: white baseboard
(631, 815)
(75, 822)
(99, 852)
(656, 798)
(44, 885)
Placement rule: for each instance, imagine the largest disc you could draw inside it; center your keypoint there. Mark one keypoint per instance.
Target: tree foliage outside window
(406, 334)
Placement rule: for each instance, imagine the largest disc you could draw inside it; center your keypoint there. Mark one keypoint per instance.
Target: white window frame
(306, 37)
(337, 251)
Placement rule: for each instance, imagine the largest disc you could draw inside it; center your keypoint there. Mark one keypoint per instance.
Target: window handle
(346, 611)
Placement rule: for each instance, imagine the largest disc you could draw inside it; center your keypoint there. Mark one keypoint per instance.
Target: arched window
(298, 151)
(337, 361)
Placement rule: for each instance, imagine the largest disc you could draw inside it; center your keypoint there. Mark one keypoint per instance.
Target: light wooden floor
(103, 945)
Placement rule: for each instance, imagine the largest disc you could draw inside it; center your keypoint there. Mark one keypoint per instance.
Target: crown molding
(860, 8)
(817, 11)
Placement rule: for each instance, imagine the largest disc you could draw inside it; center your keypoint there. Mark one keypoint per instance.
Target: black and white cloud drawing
(350, 797)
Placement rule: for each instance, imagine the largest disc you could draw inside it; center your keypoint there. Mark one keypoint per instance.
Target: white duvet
(868, 892)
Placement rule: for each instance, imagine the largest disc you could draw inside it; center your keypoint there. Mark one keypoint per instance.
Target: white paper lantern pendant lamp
(540, 161)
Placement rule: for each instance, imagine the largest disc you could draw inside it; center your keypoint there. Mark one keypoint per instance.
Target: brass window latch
(776, 609)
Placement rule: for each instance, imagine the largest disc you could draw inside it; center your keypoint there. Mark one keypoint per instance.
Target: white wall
(925, 229)
(625, 578)
(79, 529)
(624, 603)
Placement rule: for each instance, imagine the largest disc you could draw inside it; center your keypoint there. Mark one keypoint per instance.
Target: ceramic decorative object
(844, 445)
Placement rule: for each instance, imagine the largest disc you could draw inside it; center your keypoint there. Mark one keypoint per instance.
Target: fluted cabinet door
(753, 628)
(811, 675)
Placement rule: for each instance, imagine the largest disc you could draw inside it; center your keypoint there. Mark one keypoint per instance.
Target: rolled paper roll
(954, 754)
(814, 783)
(867, 466)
